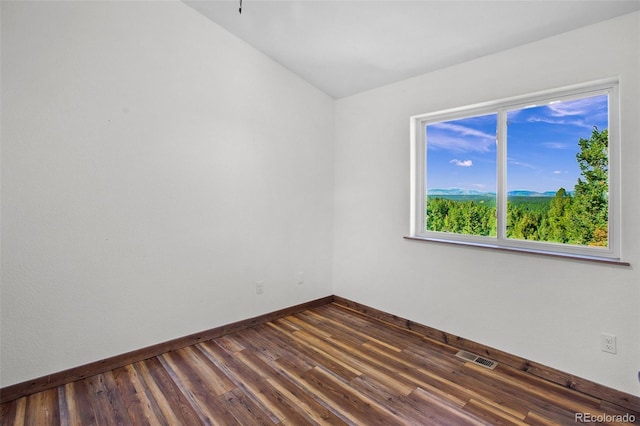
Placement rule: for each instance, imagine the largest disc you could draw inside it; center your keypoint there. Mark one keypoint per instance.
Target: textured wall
(547, 310)
(153, 168)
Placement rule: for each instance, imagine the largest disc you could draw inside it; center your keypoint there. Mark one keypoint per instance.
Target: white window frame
(418, 125)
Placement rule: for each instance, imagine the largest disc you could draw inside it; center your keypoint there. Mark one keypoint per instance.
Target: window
(534, 173)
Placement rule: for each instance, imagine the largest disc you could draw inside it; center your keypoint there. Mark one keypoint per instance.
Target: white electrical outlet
(259, 287)
(608, 343)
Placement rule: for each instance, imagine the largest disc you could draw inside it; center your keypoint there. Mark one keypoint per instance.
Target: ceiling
(346, 47)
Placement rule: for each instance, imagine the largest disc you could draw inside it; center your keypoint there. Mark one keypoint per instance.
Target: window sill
(616, 262)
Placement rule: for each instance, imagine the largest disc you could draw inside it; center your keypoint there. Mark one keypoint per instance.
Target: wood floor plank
(109, 406)
(294, 385)
(332, 351)
(492, 414)
(154, 392)
(456, 390)
(13, 412)
(217, 383)
(378, 369)
(549, 394)
(289, 402)
(42, 408)
(244, 409)
(309, 326)
(229, 344)
(301, 354)
(265, 348)
(328, 365)
(286, 376)
(177, 401)
(361, 329)
(319, 354)
(402, 406)
(287, 325)
(344, 333)
(347, 402)
(367, 362)
(250, 375)
(379, 329)
(208, 407)
(140, 406)
(81, 410)
(448, 374)
(439, 412)
(413, 372)
(537, 419)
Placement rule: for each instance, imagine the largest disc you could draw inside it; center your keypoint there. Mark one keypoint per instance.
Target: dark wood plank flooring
(327, 365)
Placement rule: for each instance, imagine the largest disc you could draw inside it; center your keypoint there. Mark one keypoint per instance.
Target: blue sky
(542, 143)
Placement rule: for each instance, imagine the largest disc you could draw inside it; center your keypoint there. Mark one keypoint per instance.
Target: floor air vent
(468, 356)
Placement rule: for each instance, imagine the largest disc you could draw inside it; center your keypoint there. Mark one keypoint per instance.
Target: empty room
(320, 212)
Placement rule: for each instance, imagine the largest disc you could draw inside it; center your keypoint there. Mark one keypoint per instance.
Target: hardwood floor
(326, 365)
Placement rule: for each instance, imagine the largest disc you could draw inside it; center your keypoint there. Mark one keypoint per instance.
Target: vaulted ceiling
(346, 47)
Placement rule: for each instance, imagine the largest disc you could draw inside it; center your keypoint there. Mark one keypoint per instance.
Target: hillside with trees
(580, 217)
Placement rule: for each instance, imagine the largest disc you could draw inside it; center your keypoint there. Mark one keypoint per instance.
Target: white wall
(153, 168)
(545, 309)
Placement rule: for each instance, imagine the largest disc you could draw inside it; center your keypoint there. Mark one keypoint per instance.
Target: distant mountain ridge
(517, 193)
(525, 193)
(457, 191)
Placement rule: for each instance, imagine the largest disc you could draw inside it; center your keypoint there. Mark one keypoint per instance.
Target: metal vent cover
(484, 362)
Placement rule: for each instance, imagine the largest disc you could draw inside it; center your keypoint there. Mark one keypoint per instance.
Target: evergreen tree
(559, 217)
(591, 204)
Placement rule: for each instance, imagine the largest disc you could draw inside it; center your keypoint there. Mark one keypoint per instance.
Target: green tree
(591, 204)
(559, 217)
(437, 210)
(461, 217)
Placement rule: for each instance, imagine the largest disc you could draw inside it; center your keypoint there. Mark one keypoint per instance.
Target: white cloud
(578, 123)
(464, 131)
(575, 107)
(556, 145)
(457, 138)
(557, 172)
(465, 163)
(514, 162)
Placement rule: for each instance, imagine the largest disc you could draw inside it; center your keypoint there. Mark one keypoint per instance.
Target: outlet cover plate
(608, 343)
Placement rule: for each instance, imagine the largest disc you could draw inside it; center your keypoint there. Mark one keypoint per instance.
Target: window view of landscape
(556, 173)
(461, 176)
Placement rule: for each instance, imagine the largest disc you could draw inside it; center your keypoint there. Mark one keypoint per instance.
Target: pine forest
(578, 216)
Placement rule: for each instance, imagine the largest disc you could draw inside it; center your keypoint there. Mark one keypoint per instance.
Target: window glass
(557, 172)
(538, 172)
(461, 176)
